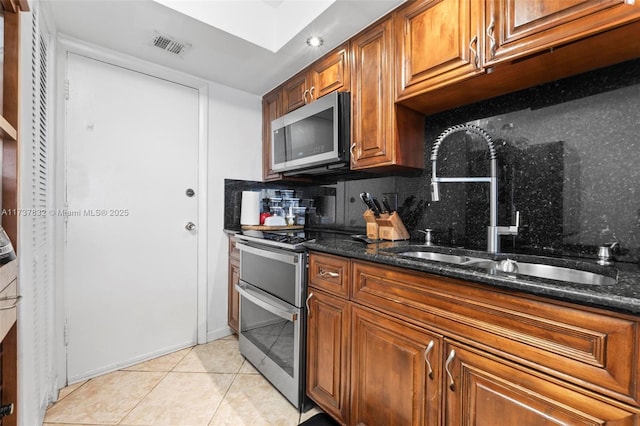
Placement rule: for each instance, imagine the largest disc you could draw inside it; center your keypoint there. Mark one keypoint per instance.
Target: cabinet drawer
(329, 273)
(8, 308)
(591, 348)
(482, 389)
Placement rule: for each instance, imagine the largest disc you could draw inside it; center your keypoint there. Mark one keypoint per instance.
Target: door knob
(190, 226)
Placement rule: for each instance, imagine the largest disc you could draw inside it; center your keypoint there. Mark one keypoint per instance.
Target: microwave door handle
(270, 254)
(272, 305)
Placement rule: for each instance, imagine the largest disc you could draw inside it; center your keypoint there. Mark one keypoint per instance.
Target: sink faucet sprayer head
(435, 191)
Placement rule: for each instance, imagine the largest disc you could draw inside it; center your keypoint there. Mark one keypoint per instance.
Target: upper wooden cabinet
(329, 74)
(439, 42)
(271, 109)
(383, 135)
(517, 28)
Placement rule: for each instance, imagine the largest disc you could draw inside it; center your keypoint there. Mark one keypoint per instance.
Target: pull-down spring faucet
(493, 230)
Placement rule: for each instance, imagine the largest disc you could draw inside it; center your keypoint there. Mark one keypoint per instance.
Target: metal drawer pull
(328, 274)
(492, 39)
(353, 156)
(267, 302)
(426, 358)
(306, 302)
(476, 58)
(15, 299)
(452, 355)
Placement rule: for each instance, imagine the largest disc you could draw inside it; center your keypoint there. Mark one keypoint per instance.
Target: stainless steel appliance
(313, 139)
(272, 329)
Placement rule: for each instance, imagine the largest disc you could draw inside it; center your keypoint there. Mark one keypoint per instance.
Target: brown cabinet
(328, 333)
(439, 42)
(396, 374)
(233, 313)
(271, 109)
(329, 74)
(425, 349)
(328, 337)
(383, 135)
(483, 390)
(519, 28)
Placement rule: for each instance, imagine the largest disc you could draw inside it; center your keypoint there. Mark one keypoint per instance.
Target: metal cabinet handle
(452, 355)
(328, 274)
(476, 58)
(353, 156)
(426, 358)
(15, 300)
(492, 39)
(311, 92)
(306, 303)
(304, 96)
(190, 226)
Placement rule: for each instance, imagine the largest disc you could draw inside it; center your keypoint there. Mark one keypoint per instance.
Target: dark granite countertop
(624, 296)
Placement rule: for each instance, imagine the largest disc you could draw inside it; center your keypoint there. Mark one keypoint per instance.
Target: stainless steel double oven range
(272, 330)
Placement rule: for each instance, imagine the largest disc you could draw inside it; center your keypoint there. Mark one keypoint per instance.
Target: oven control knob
(190, 226)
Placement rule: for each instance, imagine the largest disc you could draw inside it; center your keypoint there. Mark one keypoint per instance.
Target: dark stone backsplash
(569, 162)
(569, 157)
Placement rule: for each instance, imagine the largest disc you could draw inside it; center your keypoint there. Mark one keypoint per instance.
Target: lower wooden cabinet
(410, 348)
(395, 372)
(328, 337)
(233, 313)
(485, 390)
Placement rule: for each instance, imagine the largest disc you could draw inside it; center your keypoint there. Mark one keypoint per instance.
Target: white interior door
(130, 263)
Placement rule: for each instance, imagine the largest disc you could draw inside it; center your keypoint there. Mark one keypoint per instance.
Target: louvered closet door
(131, 154)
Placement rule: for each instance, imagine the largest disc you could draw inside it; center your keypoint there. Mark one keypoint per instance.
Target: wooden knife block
(372, 225)
(386, 227)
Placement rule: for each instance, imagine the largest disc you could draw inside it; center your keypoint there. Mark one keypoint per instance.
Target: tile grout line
(155, 386)
(235, 376)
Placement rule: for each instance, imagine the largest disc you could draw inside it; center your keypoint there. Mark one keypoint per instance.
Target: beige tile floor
(208, 385)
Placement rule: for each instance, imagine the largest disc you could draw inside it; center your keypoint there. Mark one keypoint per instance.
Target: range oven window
(273, 335)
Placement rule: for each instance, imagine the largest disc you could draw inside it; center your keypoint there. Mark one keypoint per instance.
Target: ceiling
(226, 42)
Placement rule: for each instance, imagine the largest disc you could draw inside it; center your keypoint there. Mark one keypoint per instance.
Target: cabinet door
(518, 28)
(295, 91)
(331, 73)
(233, 296)
(328, 353)
(484, 390)
(382, 134)
(271, 109)
(438, 43)
(395, 373)
(372, 97)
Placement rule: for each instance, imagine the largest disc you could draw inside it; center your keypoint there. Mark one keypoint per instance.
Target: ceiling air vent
(170, 44)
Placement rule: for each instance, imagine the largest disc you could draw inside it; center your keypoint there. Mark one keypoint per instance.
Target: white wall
(235, 152)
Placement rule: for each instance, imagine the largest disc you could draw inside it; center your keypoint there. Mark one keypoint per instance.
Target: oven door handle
(282, 256)
(267, 302)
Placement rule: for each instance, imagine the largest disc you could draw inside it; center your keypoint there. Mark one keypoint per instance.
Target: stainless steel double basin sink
(509, 267)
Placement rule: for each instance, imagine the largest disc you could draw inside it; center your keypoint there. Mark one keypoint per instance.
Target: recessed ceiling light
(315, 41)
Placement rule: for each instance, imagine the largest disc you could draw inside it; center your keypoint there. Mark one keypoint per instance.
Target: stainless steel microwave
(313, 139)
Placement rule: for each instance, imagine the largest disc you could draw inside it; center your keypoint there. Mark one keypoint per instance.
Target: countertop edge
(587, 295)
